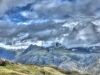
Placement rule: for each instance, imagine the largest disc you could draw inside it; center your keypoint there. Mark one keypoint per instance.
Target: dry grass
(18, 69)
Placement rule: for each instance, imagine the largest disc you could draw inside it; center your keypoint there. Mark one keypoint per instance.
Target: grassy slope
(19, 69)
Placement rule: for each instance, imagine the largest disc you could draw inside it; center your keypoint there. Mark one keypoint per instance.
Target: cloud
(11, 33)
(60, 9)
(84, 34)
(8, 4)
(54, 8)
(23, 21)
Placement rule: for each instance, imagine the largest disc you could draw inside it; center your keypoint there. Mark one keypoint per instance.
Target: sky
(73, 23)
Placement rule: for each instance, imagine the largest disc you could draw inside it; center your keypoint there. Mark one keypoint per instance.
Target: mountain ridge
(80, 60)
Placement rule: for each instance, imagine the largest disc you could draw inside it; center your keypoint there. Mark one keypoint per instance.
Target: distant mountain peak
(30, 46)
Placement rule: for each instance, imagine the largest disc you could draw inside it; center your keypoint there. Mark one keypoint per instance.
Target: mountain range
(7, 54)
(82, 59)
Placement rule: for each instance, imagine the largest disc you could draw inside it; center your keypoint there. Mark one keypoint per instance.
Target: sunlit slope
(9, 68)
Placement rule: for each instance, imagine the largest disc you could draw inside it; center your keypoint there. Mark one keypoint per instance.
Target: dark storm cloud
(60, 9)
(43, 32)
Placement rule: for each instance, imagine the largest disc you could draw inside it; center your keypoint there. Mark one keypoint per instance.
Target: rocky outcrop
(4, 62)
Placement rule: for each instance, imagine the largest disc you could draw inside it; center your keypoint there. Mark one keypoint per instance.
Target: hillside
(10, 68)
